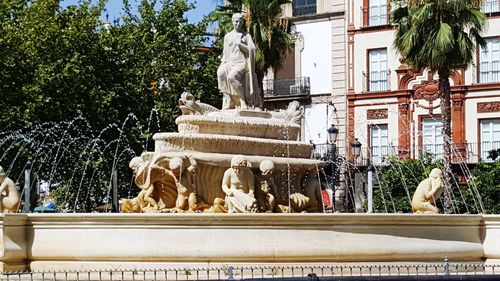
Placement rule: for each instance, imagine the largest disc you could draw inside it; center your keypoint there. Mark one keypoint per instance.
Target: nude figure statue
(238, 61)
(9, 195)
(238, 184)
(427, 192)
(265, 191)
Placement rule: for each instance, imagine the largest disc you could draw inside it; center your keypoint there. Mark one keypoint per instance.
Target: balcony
(377, 81)
(299, 86)
(304, 10)
(469, 153)
(490, 6)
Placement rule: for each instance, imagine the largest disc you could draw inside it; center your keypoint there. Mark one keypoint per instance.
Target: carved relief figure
(236, 73)
(189, 106)
(427, 192)
(158, 190)
(238, 184)
(312, 189)
(139, 167)
(9, 195)
(265, 191)
(187, 198)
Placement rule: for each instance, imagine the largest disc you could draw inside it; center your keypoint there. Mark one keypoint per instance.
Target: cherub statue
(9, 195)
(143, 181)
(265, 190)
(187, 197)
(427, 192)
(238, 184)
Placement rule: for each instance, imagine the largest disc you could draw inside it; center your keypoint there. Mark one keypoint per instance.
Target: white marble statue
(427, 192)
(9, 195)
(236, 74)
(238, 184)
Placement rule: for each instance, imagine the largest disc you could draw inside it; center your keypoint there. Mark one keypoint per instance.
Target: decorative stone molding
(405, 76)
(427, 90)
(376, 114)
(457, 105)
(403, 109)
(485, 107)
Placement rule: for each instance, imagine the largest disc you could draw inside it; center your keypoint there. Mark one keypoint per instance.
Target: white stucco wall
(316, 122)
(316, 59)
(361, 123)
(368, 41)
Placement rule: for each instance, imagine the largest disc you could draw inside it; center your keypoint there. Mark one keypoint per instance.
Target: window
(304, 7)
(491, 6)
(377, 13)
(378, 142)
(490, 137)
(489, 62)
(377, 79)
(432, 137)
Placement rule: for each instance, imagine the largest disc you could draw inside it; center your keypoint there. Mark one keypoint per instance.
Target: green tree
(77, 95)
(487, 181)
(440, 35)
(270, 31)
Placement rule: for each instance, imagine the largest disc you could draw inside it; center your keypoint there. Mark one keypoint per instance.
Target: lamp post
(332, 139)
(356, 151)
(331, 160)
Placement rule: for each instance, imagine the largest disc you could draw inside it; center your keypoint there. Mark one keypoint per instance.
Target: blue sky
(114, 8)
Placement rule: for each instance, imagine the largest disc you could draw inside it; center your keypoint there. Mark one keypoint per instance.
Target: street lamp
(356, 148)
(332, 134)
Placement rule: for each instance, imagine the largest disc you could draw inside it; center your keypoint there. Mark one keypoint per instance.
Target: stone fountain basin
(229, 144)
(126, 241)
(247, 126)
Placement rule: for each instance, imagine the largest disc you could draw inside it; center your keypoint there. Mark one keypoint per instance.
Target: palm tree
(440, 35)
(270, 32)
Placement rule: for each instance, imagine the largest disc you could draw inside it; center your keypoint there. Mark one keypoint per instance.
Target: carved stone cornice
(376, 114)
(484, 107)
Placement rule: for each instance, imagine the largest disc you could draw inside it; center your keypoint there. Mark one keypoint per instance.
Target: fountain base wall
(41, 242)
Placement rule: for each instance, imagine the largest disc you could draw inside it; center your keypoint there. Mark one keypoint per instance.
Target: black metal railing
(490, 6)
(304, 10)
(287, 87)
(377, 81)
(470, 153)
(400, 271)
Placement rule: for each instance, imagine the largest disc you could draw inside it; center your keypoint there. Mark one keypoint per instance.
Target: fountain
(248, 163)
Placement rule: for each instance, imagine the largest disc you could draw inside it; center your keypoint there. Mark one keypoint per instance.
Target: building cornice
(317, 17)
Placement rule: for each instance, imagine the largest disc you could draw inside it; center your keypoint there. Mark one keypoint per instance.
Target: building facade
(346, 72)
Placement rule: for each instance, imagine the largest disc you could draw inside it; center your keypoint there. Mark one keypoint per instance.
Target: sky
(114, 8)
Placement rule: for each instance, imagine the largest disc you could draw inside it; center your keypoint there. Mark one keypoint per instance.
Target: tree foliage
(69, 81)
(487, 180)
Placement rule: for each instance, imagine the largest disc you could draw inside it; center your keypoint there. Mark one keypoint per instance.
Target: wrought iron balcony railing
(287, 87)
(469, 153)
(304, 10)
(490, 6)
(377, 81)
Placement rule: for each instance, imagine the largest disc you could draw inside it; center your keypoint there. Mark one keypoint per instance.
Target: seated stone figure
(236, 73)
(238, 184)
(427, 192)
(9, 195)
(265, 191)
